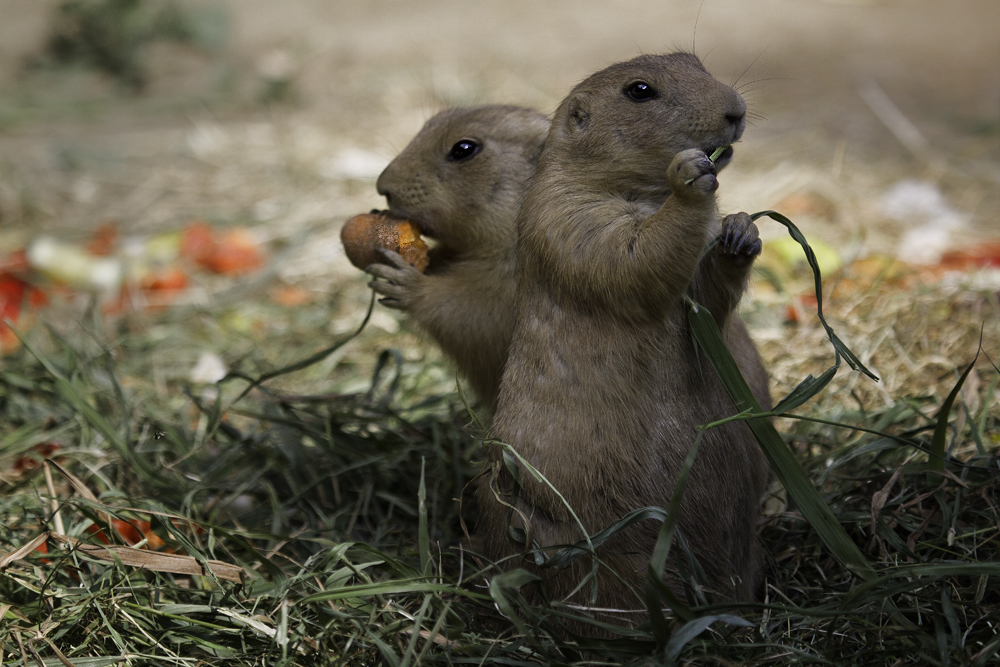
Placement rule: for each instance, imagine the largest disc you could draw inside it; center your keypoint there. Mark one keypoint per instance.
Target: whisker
(748, 67)
(748, 87)
(710, 51)
(694, 36)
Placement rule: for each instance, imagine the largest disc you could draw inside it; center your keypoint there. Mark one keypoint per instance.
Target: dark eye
(640, 91)
(463, 150)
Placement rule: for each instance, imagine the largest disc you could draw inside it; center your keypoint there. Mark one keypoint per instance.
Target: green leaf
(655, 588)
(692, 629)
(563, 557)
(783, 463)
(423, 533)
(503, 587)
(804, 391)
(838, 345)
(302, 363)
(392, 587)
(935, 461)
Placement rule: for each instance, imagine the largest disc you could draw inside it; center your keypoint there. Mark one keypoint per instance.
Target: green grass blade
(935, 462)
(423, 534)
(692, 629)
(804, 391)
(391, 587)
(661, 551)
(918, 575)
(388, 655)
(782, 461)
(838, 345)
(510, 581)
(302, 363)
(951, 616)
(983, 658)
(418, 621)
(435, 631)
(77, 401)
(562, 557)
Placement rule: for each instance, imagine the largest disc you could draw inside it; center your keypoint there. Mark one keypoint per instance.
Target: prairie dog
(602, 389)
(462, 179)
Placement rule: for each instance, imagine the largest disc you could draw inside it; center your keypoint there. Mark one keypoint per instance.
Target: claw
(389, 302)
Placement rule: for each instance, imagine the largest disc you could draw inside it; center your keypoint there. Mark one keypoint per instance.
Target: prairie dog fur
(462, 179)
(602, 389)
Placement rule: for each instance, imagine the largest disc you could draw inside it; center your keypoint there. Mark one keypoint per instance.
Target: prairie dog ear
(578, 113)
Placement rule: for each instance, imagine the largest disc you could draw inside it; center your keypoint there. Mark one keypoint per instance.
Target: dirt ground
(849, 98)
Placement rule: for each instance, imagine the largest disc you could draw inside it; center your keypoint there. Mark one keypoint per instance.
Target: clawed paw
(691, 172)
(400, 280)
(739, 240)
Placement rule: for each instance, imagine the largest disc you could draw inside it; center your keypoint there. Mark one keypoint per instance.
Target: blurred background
(153, 112)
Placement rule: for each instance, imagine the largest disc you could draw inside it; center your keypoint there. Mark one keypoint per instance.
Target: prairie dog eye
(640, 91)
(464, 149)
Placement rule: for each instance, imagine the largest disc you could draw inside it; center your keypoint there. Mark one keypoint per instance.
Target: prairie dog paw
(400, 287)
(739, 240)
(692, 174)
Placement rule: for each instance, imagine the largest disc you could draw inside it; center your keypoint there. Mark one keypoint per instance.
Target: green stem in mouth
(713, 157)
(716, 153)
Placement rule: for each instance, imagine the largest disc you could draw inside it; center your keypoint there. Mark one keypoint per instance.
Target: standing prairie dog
(461, 179)
(603, 388)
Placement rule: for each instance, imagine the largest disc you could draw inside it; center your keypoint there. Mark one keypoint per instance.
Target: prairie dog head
(464, 174)
(620, 128)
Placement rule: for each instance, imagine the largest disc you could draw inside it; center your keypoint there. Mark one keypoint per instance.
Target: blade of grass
(935, 460)
(921, 573)
(390, 587)
(70, 394)
(982, 658)
(511, 581)
(434, 632)
(692, 629)
(804, 391)
(418, 621)
(562, 557)
(423, 536)
(302, 363)
(661, 551)
(510, 454)
(782, 461)
(838, 345)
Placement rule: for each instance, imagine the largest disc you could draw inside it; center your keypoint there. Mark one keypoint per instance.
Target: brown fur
(602, 390)
(465, 300)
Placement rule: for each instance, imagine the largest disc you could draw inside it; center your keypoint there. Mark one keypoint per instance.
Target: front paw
(692, 174)
(739, 241)
(401, 282)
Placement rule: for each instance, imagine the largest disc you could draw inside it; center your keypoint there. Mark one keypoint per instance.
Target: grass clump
(331, 497)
